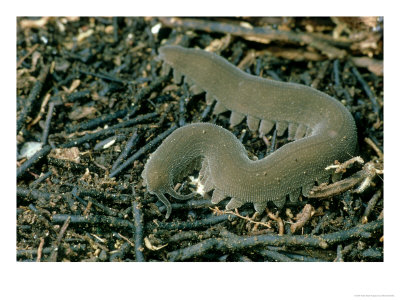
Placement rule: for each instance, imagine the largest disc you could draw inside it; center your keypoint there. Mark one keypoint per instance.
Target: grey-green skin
(323, 131)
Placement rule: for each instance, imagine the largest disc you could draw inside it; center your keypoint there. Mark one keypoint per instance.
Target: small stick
(30, 51)
(182, 120)
(39, 250)
(47, 123)
(138, 220)
(35, 91)
(342, 167)
(194, 235)
(275, 255)
(46, 99)
(339, 255)
(77, 95)
(33, 252)
(281, 227)
(194, 250)
(321, 74)
(303, 217)
(108, 131)
(141, 151)
(129, 145)
(323, 220)
(364, 177)
(190, 204)
(303, 258)
(177, 225)
(33, 194)
(371, 204)
(259, 34)
(108, 77)
(231, 242)
(217, 211)
(206, 112)
(338, 84)
(35, 158)
(354, 232)
(374, 146)
(121, 252)
(93, 123)
(143, 93)
(93, 220)
(367, 90)
(40, 179)
(109, 142)
(54, 253)
(107, 210)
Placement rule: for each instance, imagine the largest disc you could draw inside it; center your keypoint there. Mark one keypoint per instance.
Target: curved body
(323, 131)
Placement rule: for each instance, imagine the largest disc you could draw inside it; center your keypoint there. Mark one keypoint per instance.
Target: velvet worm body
(322, 130)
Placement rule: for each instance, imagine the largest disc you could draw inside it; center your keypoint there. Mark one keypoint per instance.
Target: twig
(231, 242)
(303, 217)
(190, 204)
(33, 194)
(108, 131)
(121, 252)
(367, 90)
(341, 168)
(108, 77)
(371, 204)
(338, 84)
(373, 65)
(93, 123)
(374, 146)
(321, 222)
(93, 220)
(33, 95)
(194, 235)
(206, 112)
(321, 73)
(141, 151)
(339, 255)
(182, 120)
(30, 51)
(109, 211)
(177, 225)
(104, 144)
(363, 177)
(42, 110)
(39, 250)
(302, 258)
(193, 251)
(101, 195)
(258, 34)
(217, 211)
(35, 158)
(56, 245)
(355, 232)
(40, 179)
(33, 252)
(138, 220)
(129, 145)
(150, 88)
(275, 255)
(46, 129)
(281, 227)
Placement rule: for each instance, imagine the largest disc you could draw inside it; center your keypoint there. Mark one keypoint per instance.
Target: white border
(199, 280)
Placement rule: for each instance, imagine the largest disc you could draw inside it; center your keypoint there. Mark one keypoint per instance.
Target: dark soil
(88, 88)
